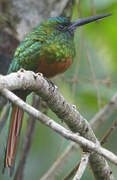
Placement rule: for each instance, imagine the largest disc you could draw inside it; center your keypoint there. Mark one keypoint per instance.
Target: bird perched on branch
(48, 49)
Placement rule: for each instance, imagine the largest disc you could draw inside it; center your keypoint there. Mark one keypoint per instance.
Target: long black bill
(87, 20)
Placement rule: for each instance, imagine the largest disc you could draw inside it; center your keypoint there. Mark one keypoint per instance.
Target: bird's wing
(27, 56)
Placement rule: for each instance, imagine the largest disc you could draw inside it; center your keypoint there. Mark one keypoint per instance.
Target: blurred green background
(96, 53)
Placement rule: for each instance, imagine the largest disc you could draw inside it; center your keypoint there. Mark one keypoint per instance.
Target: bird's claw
(51, 85)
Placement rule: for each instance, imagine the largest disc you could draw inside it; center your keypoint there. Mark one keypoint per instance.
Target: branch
(27, 141)
(109, 131)
(4, 117)
(104, 113)
(89, 145)
(82, 166)
(57, 103)
(93, 74)
(72, 172)
(93, 8)
(95, 122)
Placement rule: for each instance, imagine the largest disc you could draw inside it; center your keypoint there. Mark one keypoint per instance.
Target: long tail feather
(13, 137)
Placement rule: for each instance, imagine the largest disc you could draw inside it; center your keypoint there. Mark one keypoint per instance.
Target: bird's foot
(51, 85)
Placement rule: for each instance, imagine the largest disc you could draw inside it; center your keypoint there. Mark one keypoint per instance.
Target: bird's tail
(15, 118)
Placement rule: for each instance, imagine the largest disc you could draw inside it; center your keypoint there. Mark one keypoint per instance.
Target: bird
(48, 49)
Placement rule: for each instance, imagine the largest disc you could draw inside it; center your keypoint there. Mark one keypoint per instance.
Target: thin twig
(107, 82)
(58, 165)
(59, 148)
(104, 113)
(93, 8)
(75, 77)
(27, 142)
(3, 102)
(79, 9)
(72, 172)
(82, 166)
(108, 133)
(4, 117)
(93, 75)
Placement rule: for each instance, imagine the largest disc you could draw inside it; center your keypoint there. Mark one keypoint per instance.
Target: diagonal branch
(65, 111)
(104, 113)
(95, 122)
(89, 145)
(108, 133)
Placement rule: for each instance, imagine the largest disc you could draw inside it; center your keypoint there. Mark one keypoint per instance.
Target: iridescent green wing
(27, 55)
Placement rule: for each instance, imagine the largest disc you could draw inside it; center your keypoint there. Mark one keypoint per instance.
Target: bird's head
(61, 24)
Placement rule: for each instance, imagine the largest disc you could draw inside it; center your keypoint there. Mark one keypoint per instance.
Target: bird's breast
(52, 69)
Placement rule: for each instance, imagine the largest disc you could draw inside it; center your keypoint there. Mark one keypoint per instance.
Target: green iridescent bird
(48, 49)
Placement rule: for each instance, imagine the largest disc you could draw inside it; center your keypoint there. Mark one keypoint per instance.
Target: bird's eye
(61, 27)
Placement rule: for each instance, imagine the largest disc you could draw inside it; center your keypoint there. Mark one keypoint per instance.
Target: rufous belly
(52, 69)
